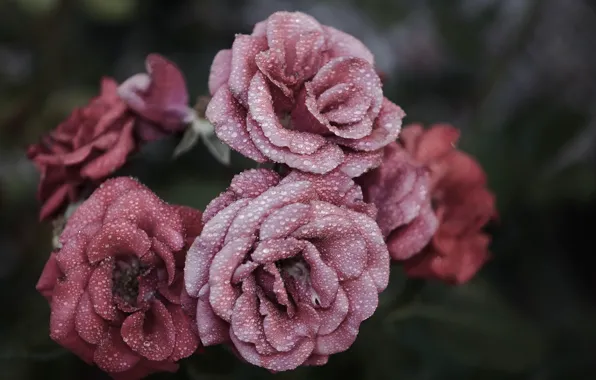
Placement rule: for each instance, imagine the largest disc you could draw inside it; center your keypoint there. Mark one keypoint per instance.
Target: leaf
(201, 128)
(218, 149)
(188, 141)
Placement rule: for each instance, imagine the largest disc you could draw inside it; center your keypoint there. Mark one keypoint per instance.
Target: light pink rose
(285, 270)
(303, 94)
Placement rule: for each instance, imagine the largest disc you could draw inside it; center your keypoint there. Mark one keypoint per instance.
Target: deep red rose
(400, 188)
(159, 97)
(116, 286)
(84, 149)
(97, 139)
(303, 94)
(462, 203)
(285, 270)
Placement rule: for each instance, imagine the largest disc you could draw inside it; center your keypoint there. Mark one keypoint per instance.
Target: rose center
(297, 275)
(125, 278)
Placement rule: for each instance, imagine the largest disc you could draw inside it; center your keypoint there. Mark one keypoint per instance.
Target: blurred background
(517, 76)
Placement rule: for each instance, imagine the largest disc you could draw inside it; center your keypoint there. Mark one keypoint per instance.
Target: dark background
(517, 76)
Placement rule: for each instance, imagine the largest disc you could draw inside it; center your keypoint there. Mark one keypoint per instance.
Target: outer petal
(343, 44)
(49, 276)
(220, 70)
(65, 302)
(229, 119)
(113, 355)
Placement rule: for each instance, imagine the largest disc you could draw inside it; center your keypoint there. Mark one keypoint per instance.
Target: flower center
(125, 278)
(297, 271)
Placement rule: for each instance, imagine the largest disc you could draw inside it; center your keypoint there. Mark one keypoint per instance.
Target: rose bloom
(97, 139)
(303, 94)
(116, 286)
(427, 171)
(400, 188)
(286, 270)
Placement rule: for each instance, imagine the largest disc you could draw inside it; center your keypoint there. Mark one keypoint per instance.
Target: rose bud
(303, 94)
(285, 270)
(116, 286)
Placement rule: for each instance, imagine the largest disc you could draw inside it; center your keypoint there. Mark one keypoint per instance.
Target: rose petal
(151, 334)
(343, 44)
(272, 250)
(114, 158)
(222, 293)
(323, 278)
(335, 314)
(378, 256)
(275, 362)
(201, 253)
(50, 274)
(243, 66)
(220, 70)
(65, 301)
(100, 291)
(322, 161)
(261, 110)
(119, 237)
(246, 324)
(113, 355)
(283, 221)
(212, 329)
(90, 326)
(186, 340)
(229, 120)
(410, 239)
(248, 219)
(252, 183)
(386, 128)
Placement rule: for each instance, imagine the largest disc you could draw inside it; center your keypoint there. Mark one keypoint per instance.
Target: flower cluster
(283, 266)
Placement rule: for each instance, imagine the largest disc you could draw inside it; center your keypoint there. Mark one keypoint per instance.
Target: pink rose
(462, 203)
(302, 94)
(116, 285)
(285, 270)
(400, 189)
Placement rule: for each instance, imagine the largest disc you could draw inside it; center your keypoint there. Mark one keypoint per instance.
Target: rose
(462, 203)
(97, 139)
(286, 270)
(400, 188)
(116, 284)
(159, 97)
(93, 142)
(302, 94)
(433, 203)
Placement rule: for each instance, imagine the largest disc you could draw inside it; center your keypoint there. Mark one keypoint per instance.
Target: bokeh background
(517, 76)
